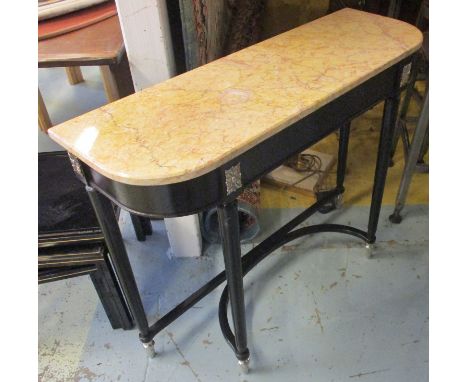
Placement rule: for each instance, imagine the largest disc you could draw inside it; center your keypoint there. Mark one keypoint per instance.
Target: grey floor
(64, 101)
(317, 310)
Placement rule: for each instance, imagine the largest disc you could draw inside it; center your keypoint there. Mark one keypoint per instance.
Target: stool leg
(74, 75)
(118, 254)
(383, 157)
(117, 79)
(410, 166)
(43, 115)
(228, 217)
(110, 84)
(123, 77)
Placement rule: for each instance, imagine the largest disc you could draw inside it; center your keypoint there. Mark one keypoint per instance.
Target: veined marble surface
(195, 122)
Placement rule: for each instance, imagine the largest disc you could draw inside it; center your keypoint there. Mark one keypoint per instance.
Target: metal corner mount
(405, 74)
(76, 165)
(233, 179)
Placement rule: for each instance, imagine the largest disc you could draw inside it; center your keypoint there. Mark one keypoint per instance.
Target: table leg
(229, 228)
(383, 157)
(342, 156)
(43, 115)
(146, 224)
(74, 75)
(117, 79)
(410, 167)
(337, 201)
(138, 227)
(142, 226)
(110, 229)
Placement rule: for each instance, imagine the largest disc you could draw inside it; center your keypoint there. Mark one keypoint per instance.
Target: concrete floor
(317, 309)
(64, 101)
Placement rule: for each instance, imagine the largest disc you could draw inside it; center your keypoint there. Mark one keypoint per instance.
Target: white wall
(146, 32)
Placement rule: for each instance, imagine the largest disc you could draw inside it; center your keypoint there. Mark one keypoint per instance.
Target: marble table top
(195, 122)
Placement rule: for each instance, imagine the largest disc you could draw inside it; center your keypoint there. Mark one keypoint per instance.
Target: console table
(196, 140)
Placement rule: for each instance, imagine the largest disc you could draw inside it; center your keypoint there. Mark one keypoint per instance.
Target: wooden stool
(99, 44)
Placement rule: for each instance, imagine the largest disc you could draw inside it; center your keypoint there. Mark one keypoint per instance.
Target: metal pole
(415, 149)
(400, 128)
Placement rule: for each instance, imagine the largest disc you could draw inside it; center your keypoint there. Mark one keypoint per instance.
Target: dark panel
(64, 208)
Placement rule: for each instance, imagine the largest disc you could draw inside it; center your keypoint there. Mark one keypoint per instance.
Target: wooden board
(287, 177)
(53, 8)
(204, 27)
(76, 20)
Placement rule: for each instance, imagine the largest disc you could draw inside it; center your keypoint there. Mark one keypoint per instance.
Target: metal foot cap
(149, 347)
(339, 201)
(369, 250)
(244, 365)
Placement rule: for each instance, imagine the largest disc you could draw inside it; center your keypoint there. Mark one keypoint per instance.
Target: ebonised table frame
(220, 188)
